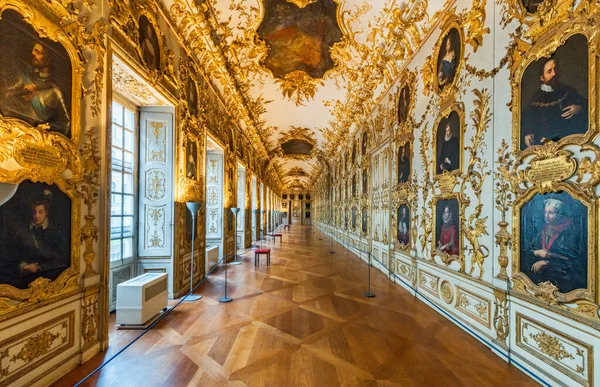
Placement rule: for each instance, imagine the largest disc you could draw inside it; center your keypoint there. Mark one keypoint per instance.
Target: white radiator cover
(140, 298)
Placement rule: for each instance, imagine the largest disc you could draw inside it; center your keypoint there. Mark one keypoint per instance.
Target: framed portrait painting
(404, 104)
(448, 144)
(35, 234)
(149, 43)
(554, 100)
(403, 164)
(403, 225)
(447, 226)
(554, 241)
(36, 77)
(449, 55)
(192, 97)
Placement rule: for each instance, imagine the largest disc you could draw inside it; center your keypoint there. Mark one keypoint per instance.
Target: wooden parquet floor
(301, 322)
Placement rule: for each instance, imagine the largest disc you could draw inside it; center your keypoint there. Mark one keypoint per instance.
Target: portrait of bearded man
(555, 109)
(35, 76)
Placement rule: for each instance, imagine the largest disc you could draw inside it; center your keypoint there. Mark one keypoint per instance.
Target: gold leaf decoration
(36, 346)
(299, 87)
(551, 346)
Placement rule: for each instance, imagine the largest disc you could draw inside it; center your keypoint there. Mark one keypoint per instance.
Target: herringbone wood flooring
(301, 322)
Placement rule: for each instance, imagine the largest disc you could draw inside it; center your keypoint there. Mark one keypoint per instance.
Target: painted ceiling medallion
(299, 34)
(297, 147)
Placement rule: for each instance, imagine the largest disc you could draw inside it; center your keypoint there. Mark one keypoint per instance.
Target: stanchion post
(193, 207)
(368, 293)
(235, 211)
(225, 299)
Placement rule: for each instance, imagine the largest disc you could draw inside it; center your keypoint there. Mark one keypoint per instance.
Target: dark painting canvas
(448, 144)
(447, 230)
(35, 234)
(403, 226)
(554, 94)
(35, 76)
(448, 58)
(554, 241)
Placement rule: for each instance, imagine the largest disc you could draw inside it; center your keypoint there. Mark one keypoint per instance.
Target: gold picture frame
(408, 80)
(448, 90)
(40, 155)
(447, 258)
(459, 110)
(547, 291)
(544, 48)
(48, 26)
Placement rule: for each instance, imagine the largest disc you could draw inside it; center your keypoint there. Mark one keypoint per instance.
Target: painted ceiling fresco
(313, 64)
(299, 38)
(297, 147)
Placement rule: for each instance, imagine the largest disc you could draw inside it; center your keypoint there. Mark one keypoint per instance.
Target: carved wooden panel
(33, 347)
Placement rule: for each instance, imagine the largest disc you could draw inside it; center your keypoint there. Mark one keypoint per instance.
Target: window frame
(127, 105)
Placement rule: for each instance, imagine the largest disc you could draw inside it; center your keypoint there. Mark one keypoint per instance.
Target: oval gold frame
(448, 91)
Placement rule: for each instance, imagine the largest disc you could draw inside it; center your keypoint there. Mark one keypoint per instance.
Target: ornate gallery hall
(302, 321)
(299, 192)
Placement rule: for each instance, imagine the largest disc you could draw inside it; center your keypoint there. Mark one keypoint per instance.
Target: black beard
(552, 83)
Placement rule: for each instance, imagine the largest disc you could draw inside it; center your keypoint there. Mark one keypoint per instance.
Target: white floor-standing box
(142, 297)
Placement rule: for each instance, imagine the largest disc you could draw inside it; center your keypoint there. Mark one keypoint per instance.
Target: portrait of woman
(35, 234)
(448, 58)
(403, 104)
(554, 94)
(35, 76)
(554, 241)
(149, 43)
(403, 232)
(448, 144)
(447, 231)
(404, 163)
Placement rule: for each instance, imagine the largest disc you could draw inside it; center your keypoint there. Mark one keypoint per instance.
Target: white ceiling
(238, 21)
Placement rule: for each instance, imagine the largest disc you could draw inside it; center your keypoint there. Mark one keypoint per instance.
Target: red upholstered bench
(278, 235)
(257, 254)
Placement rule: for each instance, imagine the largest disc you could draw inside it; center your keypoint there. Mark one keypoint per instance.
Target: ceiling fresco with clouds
(319, 65)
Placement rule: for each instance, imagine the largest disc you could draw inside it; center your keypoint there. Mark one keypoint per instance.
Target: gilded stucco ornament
(59, 155)
(501, 317)
(88, 190)
(426, 188)
(477, 170)
(504, 200)
(544, 46)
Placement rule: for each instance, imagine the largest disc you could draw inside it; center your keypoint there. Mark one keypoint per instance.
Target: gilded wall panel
(35, 346)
